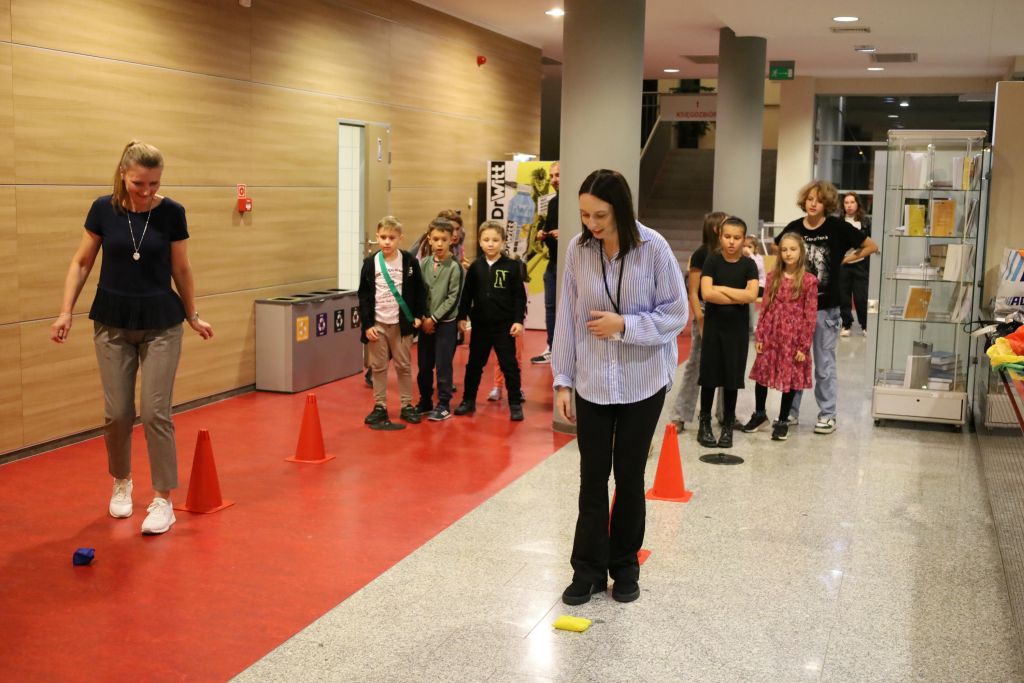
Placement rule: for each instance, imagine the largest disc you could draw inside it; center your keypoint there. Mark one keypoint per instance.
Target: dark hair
(441, 225)
(733, 220)
(709, 235)
(859, 215)
(611, 187)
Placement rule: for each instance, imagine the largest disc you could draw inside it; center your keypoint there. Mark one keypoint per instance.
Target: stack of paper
(915, 170)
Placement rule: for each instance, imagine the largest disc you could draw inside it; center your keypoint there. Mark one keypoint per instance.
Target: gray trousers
(689, 391)
(119, 353)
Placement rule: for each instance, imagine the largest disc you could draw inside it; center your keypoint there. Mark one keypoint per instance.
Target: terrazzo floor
(867, 555)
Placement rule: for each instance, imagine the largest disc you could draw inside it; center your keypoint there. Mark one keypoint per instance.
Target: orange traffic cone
(203, 485)
(668, 480)
(641, 554)
(310, 448)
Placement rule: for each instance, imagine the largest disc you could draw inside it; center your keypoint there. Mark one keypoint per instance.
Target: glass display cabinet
(935, 206)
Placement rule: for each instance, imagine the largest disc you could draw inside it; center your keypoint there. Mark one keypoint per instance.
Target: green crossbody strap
(394, 290)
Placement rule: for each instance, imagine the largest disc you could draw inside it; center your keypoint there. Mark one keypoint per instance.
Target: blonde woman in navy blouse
(621, 307)
(137, 318)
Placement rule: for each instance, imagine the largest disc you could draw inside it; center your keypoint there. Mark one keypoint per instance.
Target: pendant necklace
(135, 254)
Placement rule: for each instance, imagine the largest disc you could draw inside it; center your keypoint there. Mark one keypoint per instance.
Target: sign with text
(688, 107)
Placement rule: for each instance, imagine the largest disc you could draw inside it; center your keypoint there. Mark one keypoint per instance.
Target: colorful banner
(518, 193)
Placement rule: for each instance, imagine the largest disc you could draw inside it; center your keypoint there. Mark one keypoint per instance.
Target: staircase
(683, 193)
(681, 196)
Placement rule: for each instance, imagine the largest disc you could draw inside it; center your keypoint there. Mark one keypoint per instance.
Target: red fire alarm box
(244, 204)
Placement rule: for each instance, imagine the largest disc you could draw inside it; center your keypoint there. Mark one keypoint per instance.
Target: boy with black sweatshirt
(495, 300)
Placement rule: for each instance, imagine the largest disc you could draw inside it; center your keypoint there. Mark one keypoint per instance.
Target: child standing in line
(728, 284)
(499, 376)
(391, 304)
(495, 301)
(442, 275)
(686, 398)
(789, 313)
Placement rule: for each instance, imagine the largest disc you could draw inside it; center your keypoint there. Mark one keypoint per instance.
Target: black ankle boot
(725, 439)
(705, 437)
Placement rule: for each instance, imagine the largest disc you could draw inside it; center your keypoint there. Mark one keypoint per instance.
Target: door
(364, 184)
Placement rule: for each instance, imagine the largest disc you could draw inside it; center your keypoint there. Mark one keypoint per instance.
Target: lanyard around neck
(604, 278)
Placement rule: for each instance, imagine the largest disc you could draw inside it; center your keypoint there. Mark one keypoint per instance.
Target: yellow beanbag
(567, 623)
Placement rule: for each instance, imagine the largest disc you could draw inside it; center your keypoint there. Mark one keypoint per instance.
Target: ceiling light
(876, 68)
(864, 48)
(904, 102)
(845, 19)
(556, 12)
(889, 100)
(894, 116)
(671, 71)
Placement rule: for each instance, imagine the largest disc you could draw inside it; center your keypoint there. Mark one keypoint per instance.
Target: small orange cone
(310, 448)
(668, 480)
(203, 485)
(641, 554)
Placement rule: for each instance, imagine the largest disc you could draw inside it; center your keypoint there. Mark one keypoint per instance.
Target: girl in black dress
(728, 285)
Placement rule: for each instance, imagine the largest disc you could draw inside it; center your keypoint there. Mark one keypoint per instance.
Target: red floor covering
(219, 591)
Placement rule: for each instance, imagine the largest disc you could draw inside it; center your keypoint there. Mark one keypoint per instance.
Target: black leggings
(761, 400)
(707, 400)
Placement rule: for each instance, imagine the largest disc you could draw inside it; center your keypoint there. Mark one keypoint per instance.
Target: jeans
(436, 351)
(550, 284)
(826, 376)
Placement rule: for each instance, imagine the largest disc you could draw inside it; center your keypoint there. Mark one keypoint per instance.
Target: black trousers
(853, 284)
(612, 438)
(481, 341)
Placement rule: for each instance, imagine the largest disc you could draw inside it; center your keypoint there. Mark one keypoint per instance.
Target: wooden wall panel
(6, 112)
(291, 236)
(295, 135)
(60, 386)
(11, 436)
(229, 359)
(5, 20)
(434, 150)
(321, 46)
(50, 225)
(416, 207)
(201, 36)
(74, 114)
(8, 258)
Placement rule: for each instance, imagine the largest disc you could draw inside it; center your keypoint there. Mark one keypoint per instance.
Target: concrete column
(795, 162)
(602, 84)
(738, 134)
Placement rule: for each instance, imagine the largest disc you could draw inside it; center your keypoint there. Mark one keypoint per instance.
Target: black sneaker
(579, 592)
(424, 408)
(625, 591)
(410, 415)
(515, 413)
(781, 431)
(466, 408)
(542, 359)
(757, 420)
(440, 413)
(378, 415)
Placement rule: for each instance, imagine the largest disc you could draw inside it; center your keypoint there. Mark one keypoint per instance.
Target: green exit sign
(781, 71)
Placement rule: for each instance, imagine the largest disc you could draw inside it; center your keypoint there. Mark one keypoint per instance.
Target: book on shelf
(962, 303)
(970, 217)
(937, 255)
(892, 378)
(918, 272)
(959, 262)
(944, 361)
(914, 214)
(943, 217)
(917, 302)
(915, 170)
(973, 172)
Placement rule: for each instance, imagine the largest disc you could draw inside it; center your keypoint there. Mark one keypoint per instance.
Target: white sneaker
(495, 394)
(121, 499)
(825, 425)
(160, 517)
(845, 332)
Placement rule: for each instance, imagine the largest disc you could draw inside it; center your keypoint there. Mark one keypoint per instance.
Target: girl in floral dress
(784, 333)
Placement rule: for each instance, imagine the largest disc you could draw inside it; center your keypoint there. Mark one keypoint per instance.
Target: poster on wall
(518, 193)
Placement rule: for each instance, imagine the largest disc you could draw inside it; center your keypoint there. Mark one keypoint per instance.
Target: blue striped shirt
(631, 368)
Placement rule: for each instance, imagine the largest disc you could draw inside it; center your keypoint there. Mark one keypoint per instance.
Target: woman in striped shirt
(621, 307)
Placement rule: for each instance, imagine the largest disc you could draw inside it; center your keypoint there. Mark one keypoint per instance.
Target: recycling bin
(307, 339)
